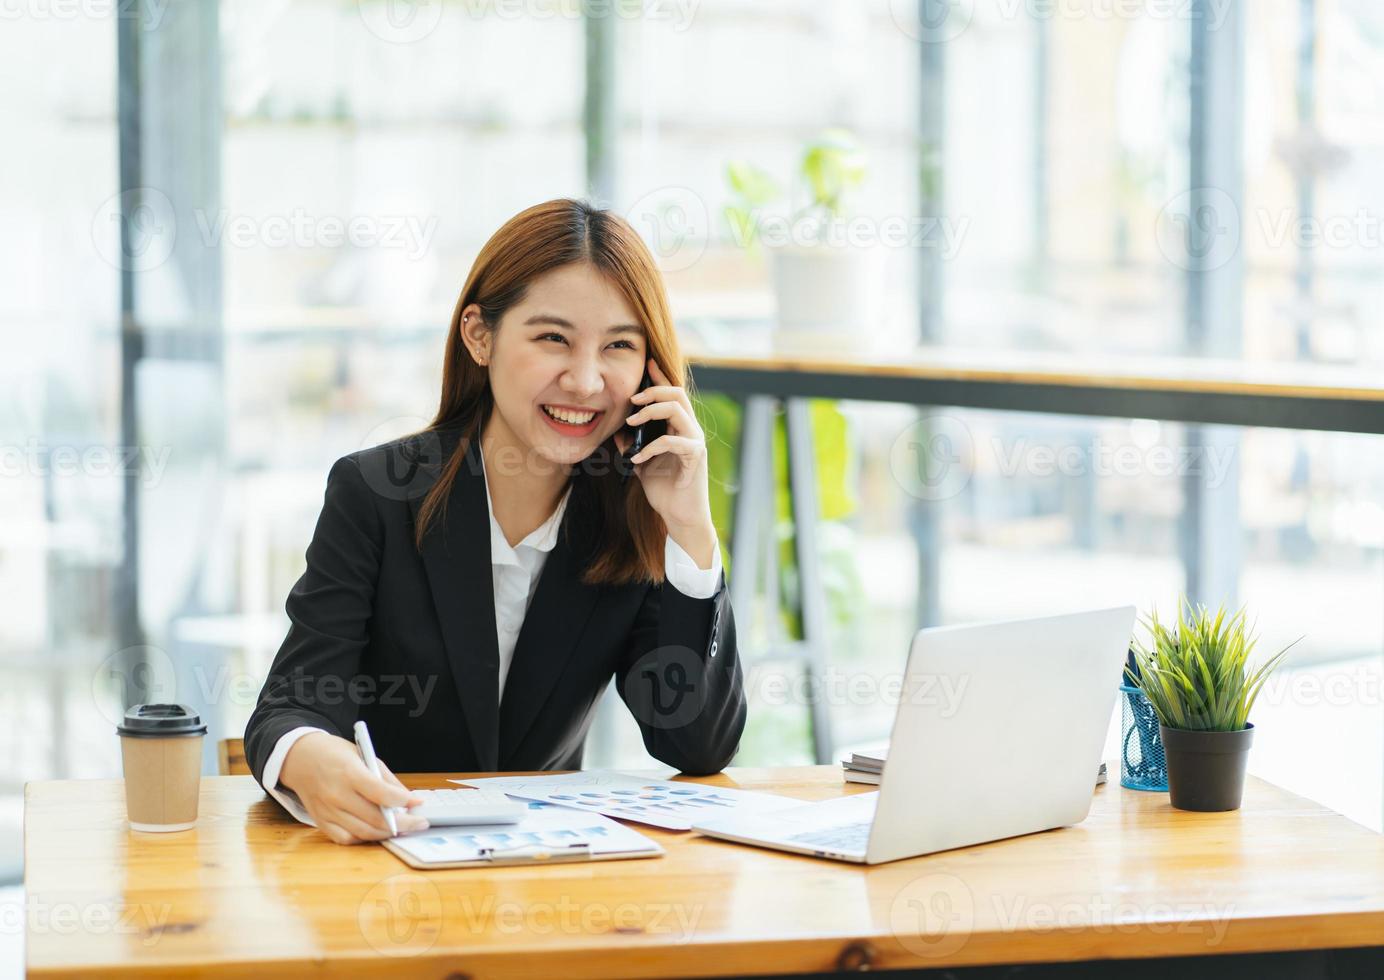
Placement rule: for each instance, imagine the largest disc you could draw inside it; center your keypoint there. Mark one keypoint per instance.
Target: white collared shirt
(515, 572)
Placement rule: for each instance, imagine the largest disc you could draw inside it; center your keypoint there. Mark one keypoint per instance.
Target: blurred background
(233, 234)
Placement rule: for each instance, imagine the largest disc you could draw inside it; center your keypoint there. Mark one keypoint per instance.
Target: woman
(471, 589)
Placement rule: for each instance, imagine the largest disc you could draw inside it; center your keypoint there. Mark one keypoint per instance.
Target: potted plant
(1196, 674)
(825, 281)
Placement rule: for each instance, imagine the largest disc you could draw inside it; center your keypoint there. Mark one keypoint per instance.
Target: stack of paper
(866, 765)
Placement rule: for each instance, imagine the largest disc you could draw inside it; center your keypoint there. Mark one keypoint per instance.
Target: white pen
(367, 754)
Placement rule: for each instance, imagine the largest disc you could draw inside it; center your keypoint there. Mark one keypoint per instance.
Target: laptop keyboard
(842, 837)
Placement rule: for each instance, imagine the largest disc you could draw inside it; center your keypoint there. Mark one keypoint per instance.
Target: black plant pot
(1206, 770)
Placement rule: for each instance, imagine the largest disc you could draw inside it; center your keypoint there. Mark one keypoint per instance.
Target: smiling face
(563, 363)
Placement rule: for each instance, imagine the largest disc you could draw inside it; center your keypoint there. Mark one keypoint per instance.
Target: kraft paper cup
(161, 748)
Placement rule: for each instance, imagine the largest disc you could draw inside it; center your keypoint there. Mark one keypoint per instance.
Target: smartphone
(643, 434)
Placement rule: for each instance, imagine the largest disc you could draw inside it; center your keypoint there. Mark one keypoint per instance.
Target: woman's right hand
(340, 794)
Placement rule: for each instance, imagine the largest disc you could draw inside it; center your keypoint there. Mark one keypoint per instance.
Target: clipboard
(549, 835)
(527, 854)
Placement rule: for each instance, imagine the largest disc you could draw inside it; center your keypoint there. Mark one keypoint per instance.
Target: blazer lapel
(555, 621)
(456, 556)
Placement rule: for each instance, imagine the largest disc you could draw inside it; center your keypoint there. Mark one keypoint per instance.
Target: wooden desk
(251, 893)
(1176, 389)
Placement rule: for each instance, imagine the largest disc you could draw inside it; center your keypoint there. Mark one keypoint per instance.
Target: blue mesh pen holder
(1142, 763)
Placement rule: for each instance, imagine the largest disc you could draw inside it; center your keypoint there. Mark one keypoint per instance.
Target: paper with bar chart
(552, 828)
(670, 804)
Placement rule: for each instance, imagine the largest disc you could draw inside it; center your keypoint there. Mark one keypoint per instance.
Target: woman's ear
(475, 334)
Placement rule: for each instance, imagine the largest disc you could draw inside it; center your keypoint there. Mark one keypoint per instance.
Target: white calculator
(462, 807)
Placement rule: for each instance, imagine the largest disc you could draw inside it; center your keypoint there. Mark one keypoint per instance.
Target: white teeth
(572, 418)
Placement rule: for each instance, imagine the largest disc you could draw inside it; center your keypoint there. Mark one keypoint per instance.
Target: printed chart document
(545, 835)
(659, 803)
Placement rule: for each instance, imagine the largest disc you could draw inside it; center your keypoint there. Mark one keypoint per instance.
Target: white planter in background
(826, 296)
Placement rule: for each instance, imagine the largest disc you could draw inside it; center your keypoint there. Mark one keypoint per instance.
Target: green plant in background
(930, 175)
(832, 165)
(1196, 672)
(831, 450)
(720, 417)
(1137, 181)
(751, 188)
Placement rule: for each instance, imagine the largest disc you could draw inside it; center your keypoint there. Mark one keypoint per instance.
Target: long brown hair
(628, 533)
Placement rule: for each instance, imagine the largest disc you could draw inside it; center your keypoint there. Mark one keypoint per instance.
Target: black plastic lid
(157, 720)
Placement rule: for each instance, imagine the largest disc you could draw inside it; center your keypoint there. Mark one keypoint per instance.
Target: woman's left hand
(672, 469)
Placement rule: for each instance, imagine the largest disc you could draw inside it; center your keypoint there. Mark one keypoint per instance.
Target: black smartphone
(643, 434)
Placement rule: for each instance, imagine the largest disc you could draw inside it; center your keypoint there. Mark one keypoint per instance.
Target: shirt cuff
(286, 797)
(683, 574)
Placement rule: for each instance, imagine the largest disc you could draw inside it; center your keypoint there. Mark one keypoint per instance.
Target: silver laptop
(998, 732)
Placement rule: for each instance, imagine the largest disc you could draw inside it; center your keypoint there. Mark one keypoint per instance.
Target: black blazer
(407, 641)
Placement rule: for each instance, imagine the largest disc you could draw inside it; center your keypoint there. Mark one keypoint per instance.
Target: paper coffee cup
(161, 748)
